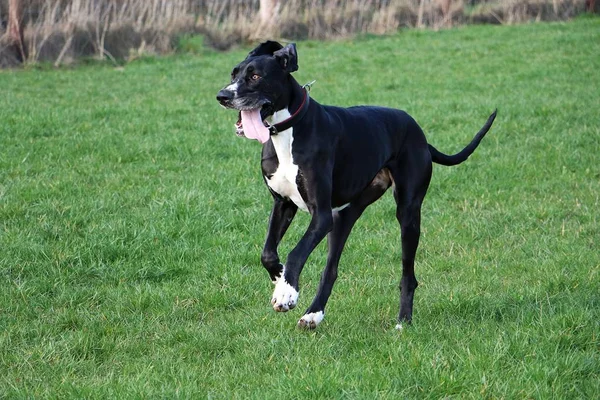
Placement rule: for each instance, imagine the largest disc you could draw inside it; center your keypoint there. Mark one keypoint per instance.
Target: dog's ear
(265, 49)
(288, 58)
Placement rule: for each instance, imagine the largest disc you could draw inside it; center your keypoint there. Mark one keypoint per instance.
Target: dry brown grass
(520, 11)
(60, 31)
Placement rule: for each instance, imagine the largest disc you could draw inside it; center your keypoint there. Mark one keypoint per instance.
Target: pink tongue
(254, 127)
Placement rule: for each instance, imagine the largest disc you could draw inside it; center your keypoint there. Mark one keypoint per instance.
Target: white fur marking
(285, 297)
(399, 327)
(278, 277)
(233, 87)
(340, 208)
(283, 181)
(311, 320)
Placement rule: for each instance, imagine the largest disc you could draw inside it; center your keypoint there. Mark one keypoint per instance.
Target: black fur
(345, 156)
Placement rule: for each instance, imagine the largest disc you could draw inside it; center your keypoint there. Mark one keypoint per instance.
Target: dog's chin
(239, 129)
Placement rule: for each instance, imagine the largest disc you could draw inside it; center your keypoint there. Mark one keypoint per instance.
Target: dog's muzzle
(229, 99)
(225, 98)
(252, 114)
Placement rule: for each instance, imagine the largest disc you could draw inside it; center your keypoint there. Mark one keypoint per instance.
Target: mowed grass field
(132, 221)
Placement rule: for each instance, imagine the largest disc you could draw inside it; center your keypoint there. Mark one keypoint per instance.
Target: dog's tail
(444, 159)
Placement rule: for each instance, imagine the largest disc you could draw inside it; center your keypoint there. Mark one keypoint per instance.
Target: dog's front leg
(282, 214)
(285, 296)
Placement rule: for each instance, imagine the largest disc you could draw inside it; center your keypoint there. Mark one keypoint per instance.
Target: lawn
(132, 220)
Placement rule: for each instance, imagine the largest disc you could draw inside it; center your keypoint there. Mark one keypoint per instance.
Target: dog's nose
(224, 96)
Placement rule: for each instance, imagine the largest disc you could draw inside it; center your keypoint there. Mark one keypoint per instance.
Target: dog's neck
(293, 101)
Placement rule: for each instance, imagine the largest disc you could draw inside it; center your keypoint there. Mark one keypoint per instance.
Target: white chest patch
(283, 181)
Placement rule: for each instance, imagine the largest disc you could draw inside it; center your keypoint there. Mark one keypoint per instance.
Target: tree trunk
(14, 32)
(420, 14)
(267, 12)
(267, 18)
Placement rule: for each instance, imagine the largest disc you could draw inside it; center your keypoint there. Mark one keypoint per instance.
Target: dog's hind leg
(282, 214)
(411, 177)
(343, 221)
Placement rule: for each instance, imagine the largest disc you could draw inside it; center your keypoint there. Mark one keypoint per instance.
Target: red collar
(293, 119)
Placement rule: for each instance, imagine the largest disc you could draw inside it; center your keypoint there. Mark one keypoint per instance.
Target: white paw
(285, 297)
(399, 327)
(311, 320)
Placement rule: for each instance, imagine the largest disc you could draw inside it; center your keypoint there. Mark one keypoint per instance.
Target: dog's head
(258, 86)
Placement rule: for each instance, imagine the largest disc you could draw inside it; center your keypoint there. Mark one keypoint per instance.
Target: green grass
(132, 220)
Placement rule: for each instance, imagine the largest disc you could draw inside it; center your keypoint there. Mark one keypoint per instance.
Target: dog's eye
(255, 77)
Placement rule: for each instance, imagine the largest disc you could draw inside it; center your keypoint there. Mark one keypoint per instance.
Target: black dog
(332, 162)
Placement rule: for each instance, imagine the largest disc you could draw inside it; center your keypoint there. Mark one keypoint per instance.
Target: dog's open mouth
(251, 125)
